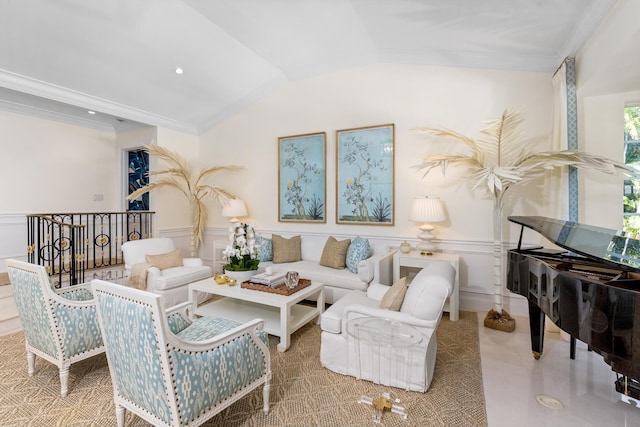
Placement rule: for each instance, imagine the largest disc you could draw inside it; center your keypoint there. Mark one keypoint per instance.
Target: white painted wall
(607, 81)
(50, 166)
(410, 97)
(171, 205)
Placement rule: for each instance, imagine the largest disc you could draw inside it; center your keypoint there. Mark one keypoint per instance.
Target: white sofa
(421, 308)
(172, 282)
(338, 282)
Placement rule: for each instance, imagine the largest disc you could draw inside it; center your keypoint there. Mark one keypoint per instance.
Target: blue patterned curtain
(565, 135)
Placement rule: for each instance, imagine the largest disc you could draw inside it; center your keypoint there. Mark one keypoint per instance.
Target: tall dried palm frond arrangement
(498, 161)
(181, 175)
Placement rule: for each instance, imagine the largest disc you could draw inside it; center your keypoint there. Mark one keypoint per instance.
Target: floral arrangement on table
(242, 252)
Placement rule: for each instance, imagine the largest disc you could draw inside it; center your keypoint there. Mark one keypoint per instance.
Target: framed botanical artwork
(364, 175)
(302, 178)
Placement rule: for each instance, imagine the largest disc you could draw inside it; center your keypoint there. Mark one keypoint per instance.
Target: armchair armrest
(236, 359)
(353, 311)
(77, 296)
(192, 262)
(377, 267)
(177, 316)
(207, 342)
(153, 272)
(376, 291)
(62, 291)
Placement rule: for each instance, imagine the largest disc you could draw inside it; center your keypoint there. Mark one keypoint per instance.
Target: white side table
(413, 259)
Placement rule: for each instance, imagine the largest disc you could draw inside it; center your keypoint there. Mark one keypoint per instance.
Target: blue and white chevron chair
(60, 325)
(172, 371)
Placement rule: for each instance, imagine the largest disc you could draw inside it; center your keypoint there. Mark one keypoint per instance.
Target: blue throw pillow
(359, 249)
(265, 249)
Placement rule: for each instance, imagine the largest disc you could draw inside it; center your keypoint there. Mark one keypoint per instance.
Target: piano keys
(590, 289)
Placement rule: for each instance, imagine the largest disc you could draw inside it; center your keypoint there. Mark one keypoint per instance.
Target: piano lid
(596, 243)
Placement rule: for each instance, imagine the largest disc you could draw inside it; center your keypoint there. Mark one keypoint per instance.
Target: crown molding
(57, 93)
(43, 113)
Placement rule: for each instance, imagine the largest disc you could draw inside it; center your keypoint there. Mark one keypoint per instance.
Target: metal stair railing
(68, 244)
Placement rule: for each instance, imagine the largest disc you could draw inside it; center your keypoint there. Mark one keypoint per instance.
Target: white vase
(241, 276)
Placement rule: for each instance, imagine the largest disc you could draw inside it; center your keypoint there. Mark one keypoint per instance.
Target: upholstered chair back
(60, 325)
(429, 290)
(34, 313)
(136, 352)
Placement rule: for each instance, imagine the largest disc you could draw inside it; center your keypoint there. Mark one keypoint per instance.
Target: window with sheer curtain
(631, 192)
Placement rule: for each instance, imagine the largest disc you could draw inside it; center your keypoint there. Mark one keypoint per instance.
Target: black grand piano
(590, 289)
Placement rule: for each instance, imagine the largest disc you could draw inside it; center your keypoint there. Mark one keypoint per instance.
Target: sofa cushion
(286, 250)
(164, 261)
(392, 299)
(335, 253)
(265, 249)
(311, 270)
(359, 249)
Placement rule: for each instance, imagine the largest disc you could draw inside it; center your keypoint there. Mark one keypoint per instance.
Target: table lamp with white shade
(234, 209)
(427, 210)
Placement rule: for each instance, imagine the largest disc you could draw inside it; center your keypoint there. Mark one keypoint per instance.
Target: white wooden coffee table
(283, 315)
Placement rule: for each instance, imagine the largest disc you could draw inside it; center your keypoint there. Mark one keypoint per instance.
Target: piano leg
(572, 348)
(536, 324)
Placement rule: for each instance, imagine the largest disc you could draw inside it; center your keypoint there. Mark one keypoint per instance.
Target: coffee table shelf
(283, 315)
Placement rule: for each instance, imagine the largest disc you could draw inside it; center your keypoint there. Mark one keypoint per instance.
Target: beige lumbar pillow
(392, 299)
(334, 254)
(286, 250)
(164, 261)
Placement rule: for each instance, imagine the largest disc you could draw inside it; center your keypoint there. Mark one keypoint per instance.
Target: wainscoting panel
(476, 258)
(13, 238)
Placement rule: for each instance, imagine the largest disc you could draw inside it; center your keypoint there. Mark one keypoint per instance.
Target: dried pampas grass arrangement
(180, 174)
(499, 160)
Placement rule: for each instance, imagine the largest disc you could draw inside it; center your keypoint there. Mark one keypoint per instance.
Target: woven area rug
(303, 393)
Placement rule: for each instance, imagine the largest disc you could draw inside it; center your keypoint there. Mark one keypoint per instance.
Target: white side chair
(421, 309)
(171, 371)
(171, 282)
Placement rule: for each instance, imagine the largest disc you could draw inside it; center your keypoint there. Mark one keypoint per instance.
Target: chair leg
(120, 413)
(265, 394)
(31, 362)
(64, 380)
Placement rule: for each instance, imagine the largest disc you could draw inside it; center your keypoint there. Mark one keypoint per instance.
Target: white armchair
(170, 282)
(421, 309)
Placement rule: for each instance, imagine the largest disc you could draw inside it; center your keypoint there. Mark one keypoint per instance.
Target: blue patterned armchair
(60, 325)
(172, 371)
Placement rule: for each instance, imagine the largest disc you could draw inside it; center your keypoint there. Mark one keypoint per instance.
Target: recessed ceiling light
(179, 70)
(91, 112)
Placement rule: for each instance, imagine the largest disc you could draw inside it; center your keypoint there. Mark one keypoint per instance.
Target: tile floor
(513, 378)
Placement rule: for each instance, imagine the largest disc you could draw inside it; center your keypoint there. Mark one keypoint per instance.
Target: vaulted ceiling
(118, 57)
